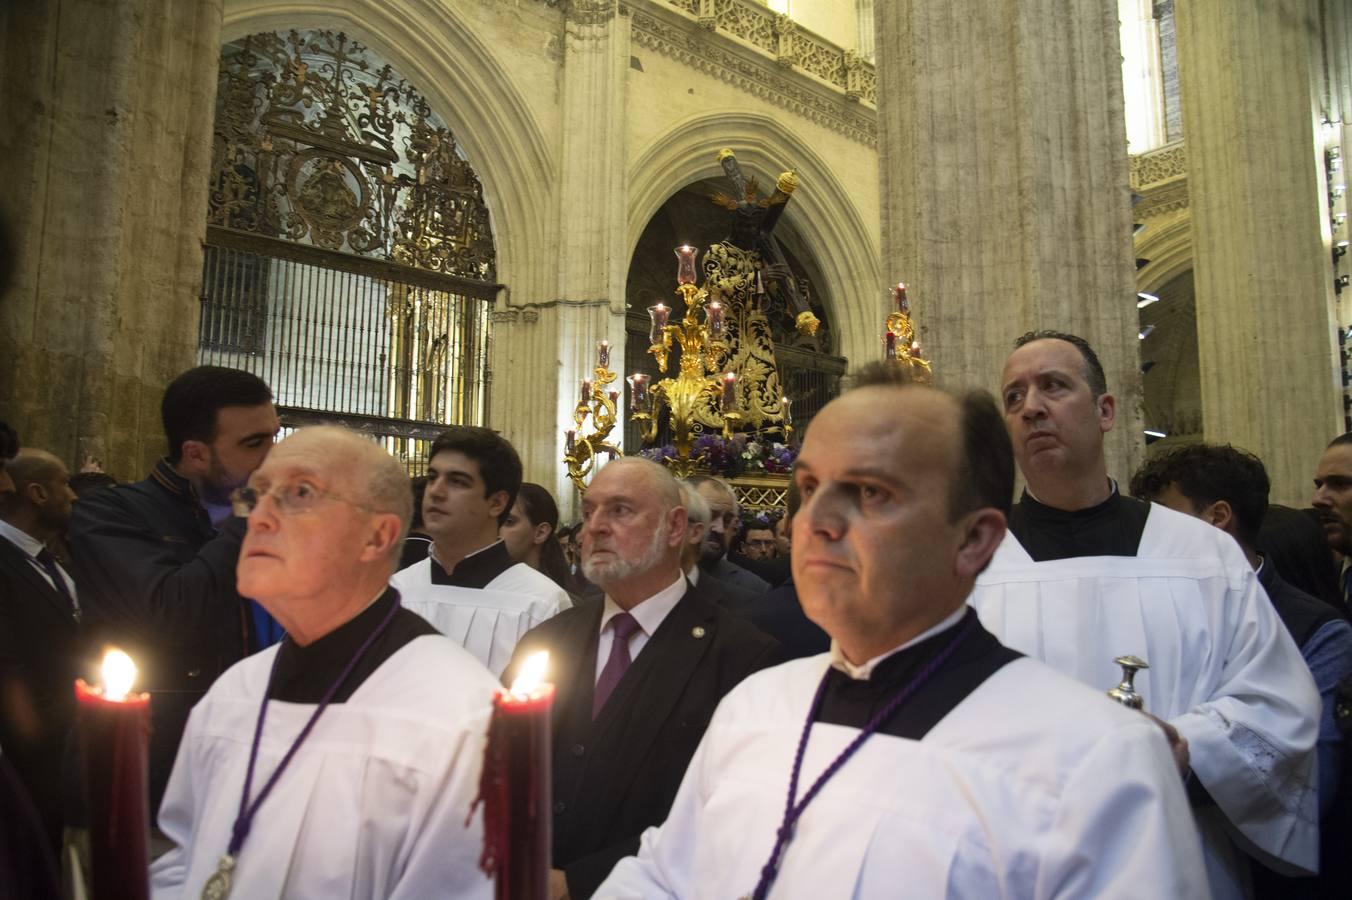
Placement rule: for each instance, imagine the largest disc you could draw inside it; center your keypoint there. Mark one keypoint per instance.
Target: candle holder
(900, 346)
(596, 405)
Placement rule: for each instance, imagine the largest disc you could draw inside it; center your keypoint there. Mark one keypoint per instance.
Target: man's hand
(558, 885)
(1177, 743)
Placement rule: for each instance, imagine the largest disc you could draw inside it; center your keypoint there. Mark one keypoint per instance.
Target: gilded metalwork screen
(349, 258)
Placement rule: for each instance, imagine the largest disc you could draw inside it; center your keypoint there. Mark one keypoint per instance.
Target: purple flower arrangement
(730, 458)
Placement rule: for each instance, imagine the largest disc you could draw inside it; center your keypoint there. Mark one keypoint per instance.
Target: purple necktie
(622, 628)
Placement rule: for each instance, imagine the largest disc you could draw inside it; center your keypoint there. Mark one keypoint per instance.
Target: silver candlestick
(1125, 693)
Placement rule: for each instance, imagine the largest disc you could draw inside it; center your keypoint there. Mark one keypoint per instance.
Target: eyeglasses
(292, 498)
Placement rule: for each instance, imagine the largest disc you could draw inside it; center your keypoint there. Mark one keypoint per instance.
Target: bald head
(361, 468)
(633, 528)
(41, 500)
(637, 470)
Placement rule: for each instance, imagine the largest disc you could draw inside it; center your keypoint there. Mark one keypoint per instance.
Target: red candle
(889, 346)
(659, 315)
(915, 349)
(638, 391)
(714, 318)
(586, 395)
(729, 391)
(899, 301)
(685, 264)
(516, 789)
(614, 396)
(602, 354)
(114, 728)
(569, 441)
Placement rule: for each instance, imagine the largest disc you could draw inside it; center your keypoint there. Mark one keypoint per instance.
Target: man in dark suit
(638, 674)
(725, 516)
(697, 516)
(779, 614)
(39, 631)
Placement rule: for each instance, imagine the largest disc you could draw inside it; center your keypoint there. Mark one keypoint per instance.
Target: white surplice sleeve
(1252, 744)
(444, 859)
(1122, 827)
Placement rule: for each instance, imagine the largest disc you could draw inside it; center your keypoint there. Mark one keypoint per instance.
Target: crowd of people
(894, 684)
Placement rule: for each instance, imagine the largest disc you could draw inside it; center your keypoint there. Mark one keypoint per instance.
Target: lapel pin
(698, 631)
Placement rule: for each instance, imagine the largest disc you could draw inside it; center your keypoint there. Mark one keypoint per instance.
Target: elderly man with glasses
(342, 761)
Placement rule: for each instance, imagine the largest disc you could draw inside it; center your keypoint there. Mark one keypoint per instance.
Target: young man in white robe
(469, 586)
(343, 761)
(978, 772)
(1086, 575)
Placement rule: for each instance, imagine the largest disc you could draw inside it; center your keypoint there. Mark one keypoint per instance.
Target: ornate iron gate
(349, 258)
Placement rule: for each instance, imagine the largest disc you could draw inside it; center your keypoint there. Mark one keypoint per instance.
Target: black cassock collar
(852, 703)
(303, 674)
(476, 570)
(1111, 528)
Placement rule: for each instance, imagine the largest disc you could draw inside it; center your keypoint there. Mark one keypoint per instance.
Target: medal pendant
(218, 885)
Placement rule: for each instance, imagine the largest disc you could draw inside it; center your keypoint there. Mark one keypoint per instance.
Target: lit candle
(638, 390)
(889, 346)
(515, 786)
(586, 396)
(899, 301)
(784, 404)
(729, 391)
(685, 264)
(714, 318)
(569, 442)
(915, 349)
(602, 354)
(114, 725)
(659, 315)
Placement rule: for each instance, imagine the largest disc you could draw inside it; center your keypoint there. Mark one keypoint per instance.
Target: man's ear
(497, 503)
(983, 530)
(37, 494)
(385, 528)
(195, 457)
(1107, 411)
(694, 531)
(1221, 514)
(677, 521)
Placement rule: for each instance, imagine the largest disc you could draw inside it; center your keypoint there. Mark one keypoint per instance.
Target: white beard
(602, 574)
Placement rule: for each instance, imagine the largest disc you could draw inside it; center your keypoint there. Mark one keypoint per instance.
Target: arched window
(349, 258)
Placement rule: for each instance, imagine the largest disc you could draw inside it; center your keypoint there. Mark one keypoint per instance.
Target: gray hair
(696, 508)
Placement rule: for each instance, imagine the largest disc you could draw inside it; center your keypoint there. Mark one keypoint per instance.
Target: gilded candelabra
(700, 380)
(597, 402)
(900, 345)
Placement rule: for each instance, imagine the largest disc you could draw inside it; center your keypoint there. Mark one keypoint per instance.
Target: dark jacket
(729, 572)
(41, 654)
(156, 578)
(780, 615)
(618, 775)
(732, 598)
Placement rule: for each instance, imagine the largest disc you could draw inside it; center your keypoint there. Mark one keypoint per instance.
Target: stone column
(1265, 324)
(545, 348)
(107, 146)
(1003, 155)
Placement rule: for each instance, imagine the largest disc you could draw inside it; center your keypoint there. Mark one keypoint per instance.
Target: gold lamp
(900, 345)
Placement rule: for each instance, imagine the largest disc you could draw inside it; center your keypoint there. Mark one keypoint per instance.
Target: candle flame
(531, 676)
(119, 674)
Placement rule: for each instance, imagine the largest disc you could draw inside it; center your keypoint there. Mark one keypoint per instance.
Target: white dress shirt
(649, 614)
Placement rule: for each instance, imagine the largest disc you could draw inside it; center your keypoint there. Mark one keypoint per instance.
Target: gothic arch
(821, 213)
(1167, 243)
(471, 91)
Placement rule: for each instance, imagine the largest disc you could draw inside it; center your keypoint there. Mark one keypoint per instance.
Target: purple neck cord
(791, 812)
(247, 811)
